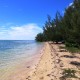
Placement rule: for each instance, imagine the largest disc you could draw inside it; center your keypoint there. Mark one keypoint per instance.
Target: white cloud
(24, 32)
(71, 4)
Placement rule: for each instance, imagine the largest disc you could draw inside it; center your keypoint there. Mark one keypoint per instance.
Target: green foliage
(40, 37)
(58, 36)
(63, 28)
(72, 24)
(52, 28)
(48, 29)
(73, 49)
(68, 73)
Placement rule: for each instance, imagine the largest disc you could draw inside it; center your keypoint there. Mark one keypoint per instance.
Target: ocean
(13, 52)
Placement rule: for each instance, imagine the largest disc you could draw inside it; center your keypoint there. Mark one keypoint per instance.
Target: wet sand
(52, 63)
(47, 65)
(20, 70)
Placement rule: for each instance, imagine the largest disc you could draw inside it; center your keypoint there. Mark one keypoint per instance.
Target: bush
(68, 73)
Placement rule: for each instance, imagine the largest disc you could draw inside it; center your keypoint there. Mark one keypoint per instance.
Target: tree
(66, 28)
(40, 37)
(48, 29)
(72, 24)
(58, 32)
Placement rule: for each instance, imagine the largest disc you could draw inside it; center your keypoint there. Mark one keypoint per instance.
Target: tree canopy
(64, 28)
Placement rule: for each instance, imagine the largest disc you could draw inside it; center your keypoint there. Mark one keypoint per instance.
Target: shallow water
(14, 52)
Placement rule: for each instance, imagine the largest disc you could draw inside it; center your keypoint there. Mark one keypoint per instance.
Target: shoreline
(53, 62)
(48, 67)
(48, 64)
(19, 70)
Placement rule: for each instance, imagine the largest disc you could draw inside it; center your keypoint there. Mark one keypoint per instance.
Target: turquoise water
(12, 51)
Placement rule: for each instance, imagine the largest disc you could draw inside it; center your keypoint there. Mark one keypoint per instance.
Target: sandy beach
(47, 65)
(52, 63)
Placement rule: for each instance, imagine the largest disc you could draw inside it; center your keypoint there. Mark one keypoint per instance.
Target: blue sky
(23, 19)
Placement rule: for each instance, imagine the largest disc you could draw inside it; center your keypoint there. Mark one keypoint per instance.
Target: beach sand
(53, 62)
(47, 65)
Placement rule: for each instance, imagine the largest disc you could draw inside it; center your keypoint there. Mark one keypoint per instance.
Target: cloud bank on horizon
(24, 32)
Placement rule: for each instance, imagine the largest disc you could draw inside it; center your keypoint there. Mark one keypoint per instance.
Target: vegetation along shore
(64, 28)
(63, 52)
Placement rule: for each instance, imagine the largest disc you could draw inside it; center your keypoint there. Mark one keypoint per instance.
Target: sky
(24, 19)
